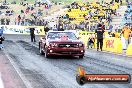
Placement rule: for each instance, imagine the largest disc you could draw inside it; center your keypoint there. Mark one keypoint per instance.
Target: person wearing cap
(99, 32)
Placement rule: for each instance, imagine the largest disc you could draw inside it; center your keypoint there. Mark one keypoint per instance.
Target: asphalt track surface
(36, 71)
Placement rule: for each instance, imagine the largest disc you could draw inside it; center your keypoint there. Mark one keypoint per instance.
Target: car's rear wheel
(81, 57)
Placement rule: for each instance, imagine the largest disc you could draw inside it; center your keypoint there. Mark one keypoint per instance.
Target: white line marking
(1, 82)
(25, 81)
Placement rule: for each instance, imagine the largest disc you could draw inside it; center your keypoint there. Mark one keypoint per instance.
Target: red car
(61, 43)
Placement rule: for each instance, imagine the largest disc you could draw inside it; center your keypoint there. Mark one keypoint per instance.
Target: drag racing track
(36, 71)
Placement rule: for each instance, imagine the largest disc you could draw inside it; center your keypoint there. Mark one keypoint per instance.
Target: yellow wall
(111, 44)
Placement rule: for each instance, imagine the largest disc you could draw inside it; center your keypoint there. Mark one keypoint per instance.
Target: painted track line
(1, 82)
(21, 75)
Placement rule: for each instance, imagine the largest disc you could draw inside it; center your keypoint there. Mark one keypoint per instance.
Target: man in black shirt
(99, 31)
(32, 34)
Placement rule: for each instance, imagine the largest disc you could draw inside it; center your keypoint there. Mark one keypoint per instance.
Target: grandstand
(126, 17)
(18, 1)
(92, 12)
(110, 14)
(70, 1)
(128, 14)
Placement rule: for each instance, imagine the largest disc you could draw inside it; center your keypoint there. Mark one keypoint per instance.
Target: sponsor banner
(15, 29)
(82, 78)
(103, 78)
(111, 44)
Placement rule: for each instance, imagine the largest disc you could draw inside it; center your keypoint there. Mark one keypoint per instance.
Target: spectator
(1, 40)
(32, 8)
(19, 19)
(2, 21)
(22, 11)
(126, 31)
(23, 20)
(110, 28)
(90, 42)
(32, 34)
(7, 21)
(46, 9)
(27, 11)
(39, 3)
(100, 32)
(1, 30)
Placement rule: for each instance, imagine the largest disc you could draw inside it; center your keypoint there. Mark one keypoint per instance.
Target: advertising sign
(15, 29)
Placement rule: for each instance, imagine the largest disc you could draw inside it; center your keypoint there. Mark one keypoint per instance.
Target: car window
(52, 36)
(58, 35)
